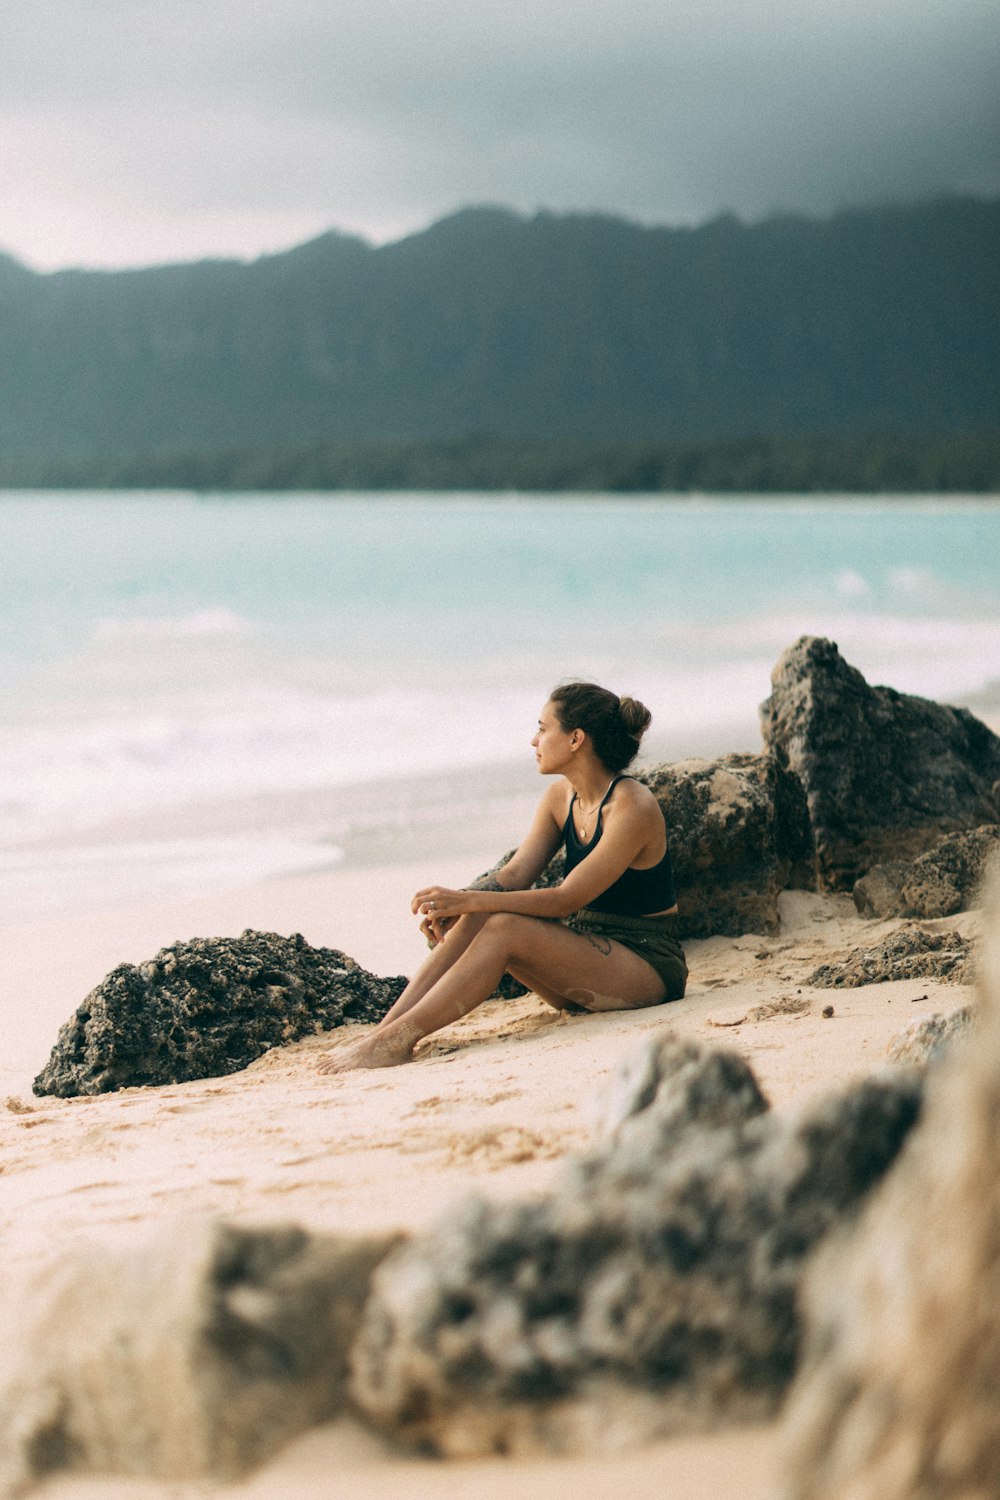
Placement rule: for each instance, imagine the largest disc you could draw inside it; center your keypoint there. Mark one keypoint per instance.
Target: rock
(195, 1355)
(897, 1398)
(885, 774)
(928, 1040)
(880, 892)
(907, 953)
(739, 835)
(207, 1007)
(672, 1084)
(939, 883)
(653, 1290)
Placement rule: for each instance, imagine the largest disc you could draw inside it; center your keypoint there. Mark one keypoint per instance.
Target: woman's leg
(436, 964)
(586, 969)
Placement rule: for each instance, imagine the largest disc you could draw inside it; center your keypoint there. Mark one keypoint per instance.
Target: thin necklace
(596, 807)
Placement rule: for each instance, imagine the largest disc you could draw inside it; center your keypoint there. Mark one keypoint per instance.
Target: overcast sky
(137, 131)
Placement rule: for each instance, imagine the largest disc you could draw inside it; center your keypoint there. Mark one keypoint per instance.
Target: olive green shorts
(651, 937)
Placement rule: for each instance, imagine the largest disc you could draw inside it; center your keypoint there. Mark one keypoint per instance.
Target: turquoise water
(350, 574)
(156, 650)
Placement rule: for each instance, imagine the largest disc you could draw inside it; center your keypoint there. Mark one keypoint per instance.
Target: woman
(597, 941)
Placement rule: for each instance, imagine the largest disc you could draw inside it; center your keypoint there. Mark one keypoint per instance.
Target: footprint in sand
(433, 1102)
(504, 1147)
(17, 1106)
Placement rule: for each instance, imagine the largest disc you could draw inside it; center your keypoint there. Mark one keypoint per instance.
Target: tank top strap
(623, 777)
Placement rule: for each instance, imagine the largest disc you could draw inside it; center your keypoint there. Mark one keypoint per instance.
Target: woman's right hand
(435, 929)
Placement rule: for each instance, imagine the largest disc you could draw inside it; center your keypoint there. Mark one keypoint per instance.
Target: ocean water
(169, 654)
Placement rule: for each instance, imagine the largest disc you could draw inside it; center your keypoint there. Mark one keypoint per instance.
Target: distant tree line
(876, 464)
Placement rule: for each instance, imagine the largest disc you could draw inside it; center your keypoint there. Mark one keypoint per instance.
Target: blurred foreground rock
(671, 1085)
(653, 1291)
(908, 953)
(196, 1355)
(885, 774)
(939, 883)
(897, 1399)
(930, 1038)
(207, 1007)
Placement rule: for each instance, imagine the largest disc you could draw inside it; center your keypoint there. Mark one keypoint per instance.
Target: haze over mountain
(489, 322)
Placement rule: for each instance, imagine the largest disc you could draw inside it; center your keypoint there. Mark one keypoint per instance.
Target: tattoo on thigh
(602, 944)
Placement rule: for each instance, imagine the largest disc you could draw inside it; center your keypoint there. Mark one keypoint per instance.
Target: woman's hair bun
(636, 717)
(615, 725)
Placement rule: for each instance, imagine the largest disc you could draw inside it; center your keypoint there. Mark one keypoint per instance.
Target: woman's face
(553, 745)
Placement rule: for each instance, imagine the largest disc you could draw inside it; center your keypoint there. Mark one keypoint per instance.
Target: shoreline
(201, 848)
(193, 849)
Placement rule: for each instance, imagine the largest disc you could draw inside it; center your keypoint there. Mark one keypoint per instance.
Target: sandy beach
(491, 1105)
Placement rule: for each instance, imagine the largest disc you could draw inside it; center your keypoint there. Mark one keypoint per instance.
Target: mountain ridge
(549, 325)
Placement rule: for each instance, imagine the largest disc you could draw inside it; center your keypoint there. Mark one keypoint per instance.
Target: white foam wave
(852, 584)
(82, 877)
(930, 655)
(216, 621)
(279, 729)
(73, 776)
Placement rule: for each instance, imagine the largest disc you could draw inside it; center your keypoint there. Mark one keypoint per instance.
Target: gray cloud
(142, 131)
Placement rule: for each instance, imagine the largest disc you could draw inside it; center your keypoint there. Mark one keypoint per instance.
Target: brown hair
(614, 725)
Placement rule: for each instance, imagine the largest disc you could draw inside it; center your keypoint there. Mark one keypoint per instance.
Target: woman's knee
(503, 929)
(502, 922)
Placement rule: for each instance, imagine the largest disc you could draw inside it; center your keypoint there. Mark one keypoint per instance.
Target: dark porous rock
(897, 1395)
(195, 1354)
(945, 880)
(908, 953)
(885, 774)
(929, 1039)
(739, 834)
(654, 1290)
(206, 1007)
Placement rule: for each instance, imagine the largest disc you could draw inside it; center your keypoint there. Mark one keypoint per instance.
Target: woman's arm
(536, 848)
(524, 866)
(626, 832)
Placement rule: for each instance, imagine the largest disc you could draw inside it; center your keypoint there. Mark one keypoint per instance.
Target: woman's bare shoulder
(635, 796)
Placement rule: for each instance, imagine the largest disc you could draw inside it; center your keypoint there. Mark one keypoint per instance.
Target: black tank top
(636, 893)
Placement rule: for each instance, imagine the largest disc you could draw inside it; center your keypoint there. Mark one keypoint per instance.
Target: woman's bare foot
(381, 1050)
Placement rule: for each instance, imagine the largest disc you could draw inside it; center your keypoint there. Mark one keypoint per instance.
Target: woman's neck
(590, 783)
